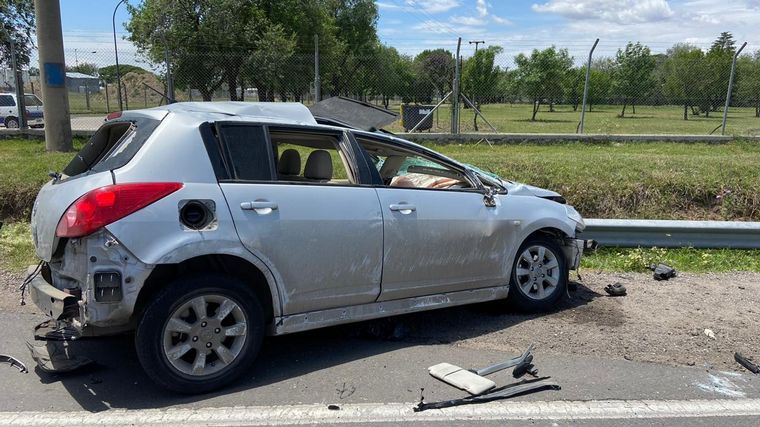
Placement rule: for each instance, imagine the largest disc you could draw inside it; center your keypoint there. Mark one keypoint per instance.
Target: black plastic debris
(616, 290)
(747, 363)
(525, 367)
(512, 390)
(14, 362)
(663, 271)
(333, 407)
(56, 356)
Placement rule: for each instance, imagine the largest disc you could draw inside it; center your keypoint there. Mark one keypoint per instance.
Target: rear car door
(303, 213)
(34, 109)
(439, 234)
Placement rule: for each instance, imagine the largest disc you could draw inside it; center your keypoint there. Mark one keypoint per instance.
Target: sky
(516, 25)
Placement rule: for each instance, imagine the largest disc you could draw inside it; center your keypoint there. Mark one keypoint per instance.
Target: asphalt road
(372, 381)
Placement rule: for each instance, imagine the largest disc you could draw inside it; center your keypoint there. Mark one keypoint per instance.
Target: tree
(437, 67)
(86, 68)
(206, 40)
(633, 74)
(748, 86)
(480, 77)
(716, 73)
(108, 73)
(574, 82)
(267, 64)
(684, 71)
(540, 76)
(17, 21)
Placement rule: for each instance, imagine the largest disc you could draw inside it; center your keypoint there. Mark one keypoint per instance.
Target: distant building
(78, 82)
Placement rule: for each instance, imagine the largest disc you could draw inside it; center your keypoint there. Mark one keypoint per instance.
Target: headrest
(290, 162)
(319, 166)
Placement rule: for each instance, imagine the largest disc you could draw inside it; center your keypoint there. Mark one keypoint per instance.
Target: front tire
(539, 275)
(11, 123)
(200, 333)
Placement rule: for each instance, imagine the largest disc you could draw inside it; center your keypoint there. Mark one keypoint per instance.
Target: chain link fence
(679, 89)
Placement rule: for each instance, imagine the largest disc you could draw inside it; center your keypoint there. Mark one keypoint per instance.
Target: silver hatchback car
(204, 227)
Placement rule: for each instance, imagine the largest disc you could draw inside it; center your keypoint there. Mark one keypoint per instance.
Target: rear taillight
(114, 115)
(108, 204)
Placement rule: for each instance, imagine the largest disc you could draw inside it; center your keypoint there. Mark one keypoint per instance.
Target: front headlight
(575, 216)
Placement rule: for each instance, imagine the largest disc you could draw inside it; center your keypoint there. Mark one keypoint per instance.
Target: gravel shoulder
(660, 322)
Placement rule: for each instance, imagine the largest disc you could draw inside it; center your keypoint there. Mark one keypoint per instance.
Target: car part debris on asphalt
(472, 381)
(56, 356)
(663, 271)
(709, 333)
(516, 389)
(525, 367)
(56, 330)
(14, 362)
(616, 290)
(747, 363)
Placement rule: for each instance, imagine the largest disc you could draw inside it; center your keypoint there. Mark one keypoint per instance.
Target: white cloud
(466, 20)
(433, 6)
(502, 21)
(617, 11)
(481, 7)
(437, 27)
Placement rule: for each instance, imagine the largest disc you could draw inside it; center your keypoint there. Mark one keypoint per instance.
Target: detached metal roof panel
(353, 113)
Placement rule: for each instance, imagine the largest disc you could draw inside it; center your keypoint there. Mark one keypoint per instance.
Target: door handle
(404, 208)
(262, 207)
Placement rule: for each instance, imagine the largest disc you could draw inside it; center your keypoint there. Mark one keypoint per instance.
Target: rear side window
(112, 146)
(32, 101)
(7, 101)
(247, 151)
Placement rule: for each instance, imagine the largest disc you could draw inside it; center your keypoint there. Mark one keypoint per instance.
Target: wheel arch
(257, 276)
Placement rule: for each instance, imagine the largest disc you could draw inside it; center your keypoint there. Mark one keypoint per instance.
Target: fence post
(108, 104)
(317, 82)
(730, 87)
(585, 86)
(455, 95)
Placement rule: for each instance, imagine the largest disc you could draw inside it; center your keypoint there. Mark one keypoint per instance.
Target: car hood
(520, 189)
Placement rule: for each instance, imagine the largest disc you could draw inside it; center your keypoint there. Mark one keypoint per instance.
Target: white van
(9, 110)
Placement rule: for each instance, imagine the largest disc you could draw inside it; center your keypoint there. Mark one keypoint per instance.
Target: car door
(321, 235)
(437, 240)
(7, 106)
(33, 107)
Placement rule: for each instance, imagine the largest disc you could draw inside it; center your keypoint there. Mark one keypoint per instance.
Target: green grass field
(515, 118)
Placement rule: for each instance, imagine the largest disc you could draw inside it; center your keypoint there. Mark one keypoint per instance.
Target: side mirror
(489, 197)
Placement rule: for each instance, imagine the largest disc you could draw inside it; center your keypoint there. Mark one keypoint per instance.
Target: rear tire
(539, 276)
(11, 123)
(200, 333)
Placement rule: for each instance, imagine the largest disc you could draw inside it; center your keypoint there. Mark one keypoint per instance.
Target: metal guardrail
(673, 234)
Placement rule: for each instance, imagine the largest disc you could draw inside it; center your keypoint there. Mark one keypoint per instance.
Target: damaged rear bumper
(54, 302)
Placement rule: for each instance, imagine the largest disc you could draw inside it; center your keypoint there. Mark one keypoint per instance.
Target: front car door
(295, 201)
(440, 236)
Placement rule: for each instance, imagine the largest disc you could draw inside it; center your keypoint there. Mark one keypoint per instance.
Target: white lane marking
(391, 413)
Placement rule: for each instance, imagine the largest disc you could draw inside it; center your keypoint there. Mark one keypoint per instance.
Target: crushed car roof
(290, 111)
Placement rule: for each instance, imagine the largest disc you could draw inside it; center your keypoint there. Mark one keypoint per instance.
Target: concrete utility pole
(55, 97)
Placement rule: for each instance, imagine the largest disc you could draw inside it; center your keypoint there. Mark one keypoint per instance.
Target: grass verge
(613, 180)
(16, 249)
(685, 259)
